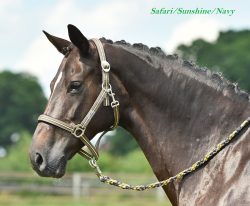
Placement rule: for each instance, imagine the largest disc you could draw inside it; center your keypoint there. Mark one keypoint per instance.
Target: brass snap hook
(94, 165)
(115, 103)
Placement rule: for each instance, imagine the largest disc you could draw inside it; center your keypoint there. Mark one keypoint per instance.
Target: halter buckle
(78, 131)
(105, 66)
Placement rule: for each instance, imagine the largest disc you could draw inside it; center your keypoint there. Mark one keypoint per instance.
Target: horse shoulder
(224, 181)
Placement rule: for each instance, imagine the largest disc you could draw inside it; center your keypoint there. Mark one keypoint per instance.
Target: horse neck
(175, 113)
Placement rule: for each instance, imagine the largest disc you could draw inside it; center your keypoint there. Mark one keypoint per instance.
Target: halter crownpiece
(78, 130)
(105, 69)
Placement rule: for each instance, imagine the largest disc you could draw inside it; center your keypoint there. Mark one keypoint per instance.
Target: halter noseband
(78, 130)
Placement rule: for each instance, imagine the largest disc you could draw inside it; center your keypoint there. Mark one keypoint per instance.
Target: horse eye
(75, 87)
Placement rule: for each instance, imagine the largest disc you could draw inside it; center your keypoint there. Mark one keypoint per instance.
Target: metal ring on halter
(108, 89)
(105, 66)
(78, 131)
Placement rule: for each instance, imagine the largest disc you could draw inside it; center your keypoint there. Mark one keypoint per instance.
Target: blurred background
(28, 63)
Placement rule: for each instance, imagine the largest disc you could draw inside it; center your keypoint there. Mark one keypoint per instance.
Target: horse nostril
(38, 159)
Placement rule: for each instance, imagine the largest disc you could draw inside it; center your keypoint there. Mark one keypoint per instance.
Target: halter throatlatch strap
(78, 130)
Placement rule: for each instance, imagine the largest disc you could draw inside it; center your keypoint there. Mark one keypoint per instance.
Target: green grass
(40, 200)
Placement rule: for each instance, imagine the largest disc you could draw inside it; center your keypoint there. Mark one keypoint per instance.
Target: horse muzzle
(48, 166)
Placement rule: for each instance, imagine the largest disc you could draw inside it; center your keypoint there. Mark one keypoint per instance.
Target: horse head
(74, 90)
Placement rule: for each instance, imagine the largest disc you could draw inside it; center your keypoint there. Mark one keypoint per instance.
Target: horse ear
(78, 39)
(59, 43)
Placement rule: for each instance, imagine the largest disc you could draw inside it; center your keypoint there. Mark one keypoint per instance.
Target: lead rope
(180, 175)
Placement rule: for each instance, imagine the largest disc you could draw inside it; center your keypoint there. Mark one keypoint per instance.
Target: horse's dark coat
(175, 110)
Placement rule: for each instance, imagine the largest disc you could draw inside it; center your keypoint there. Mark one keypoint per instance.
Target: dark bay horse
(175, 110)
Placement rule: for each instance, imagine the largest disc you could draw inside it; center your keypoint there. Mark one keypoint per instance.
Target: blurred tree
(230, 54)
(18, 160)
(21, 101)
(122, 142)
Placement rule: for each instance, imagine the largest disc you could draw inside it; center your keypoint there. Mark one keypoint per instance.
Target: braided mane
(215, 77)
